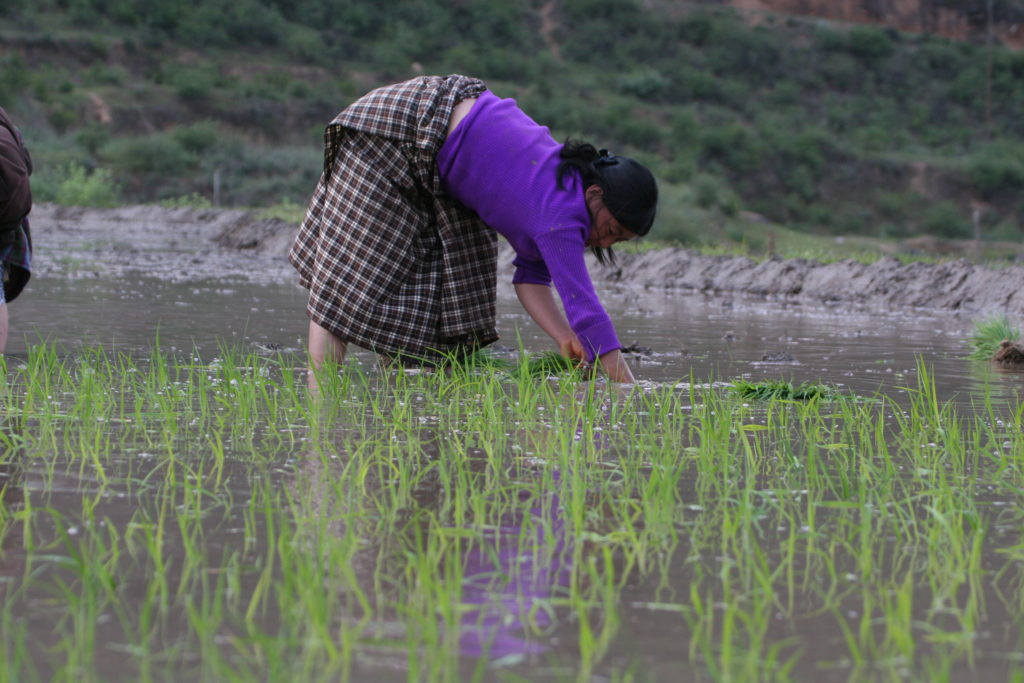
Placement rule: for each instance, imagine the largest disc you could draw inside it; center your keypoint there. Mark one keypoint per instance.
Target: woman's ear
(594, 191)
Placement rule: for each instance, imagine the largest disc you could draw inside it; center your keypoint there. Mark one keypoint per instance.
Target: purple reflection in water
(505, 577)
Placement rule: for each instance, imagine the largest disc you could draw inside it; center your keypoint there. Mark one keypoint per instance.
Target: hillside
(964, 20)
(746, 114)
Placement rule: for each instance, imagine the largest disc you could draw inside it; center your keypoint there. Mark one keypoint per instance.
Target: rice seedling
(777, 389)
(988, 334)
(208, 519)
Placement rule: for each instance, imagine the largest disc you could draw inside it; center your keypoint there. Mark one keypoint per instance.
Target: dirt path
(190, 244)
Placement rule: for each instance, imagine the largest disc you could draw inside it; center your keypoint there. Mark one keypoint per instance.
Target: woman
(398, 248)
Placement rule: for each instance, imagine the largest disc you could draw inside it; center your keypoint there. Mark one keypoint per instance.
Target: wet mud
(1010, 353)
(175, 245)
(186, 244)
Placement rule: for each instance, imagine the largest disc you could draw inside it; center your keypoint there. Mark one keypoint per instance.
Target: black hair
(630, 191)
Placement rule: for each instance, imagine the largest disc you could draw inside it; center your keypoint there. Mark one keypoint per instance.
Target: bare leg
(323, 347)
(3, 326)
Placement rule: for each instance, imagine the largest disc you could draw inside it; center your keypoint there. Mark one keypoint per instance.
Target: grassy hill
(823, 128)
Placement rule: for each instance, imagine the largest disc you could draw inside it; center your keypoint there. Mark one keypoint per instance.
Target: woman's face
(604, 229)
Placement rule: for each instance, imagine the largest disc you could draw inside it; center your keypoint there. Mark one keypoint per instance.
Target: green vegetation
(73, 185)
(781, 390)
(530, 366)
(822, 128)
(204, 520)
(988, 334)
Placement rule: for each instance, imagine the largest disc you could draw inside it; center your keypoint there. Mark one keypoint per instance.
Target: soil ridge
(957, 285)
(195, 243)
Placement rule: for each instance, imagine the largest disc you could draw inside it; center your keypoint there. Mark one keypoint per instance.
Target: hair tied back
(605, 159)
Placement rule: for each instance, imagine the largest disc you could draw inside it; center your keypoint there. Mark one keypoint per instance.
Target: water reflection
(861, 350)
(509, 578)
(12, 499)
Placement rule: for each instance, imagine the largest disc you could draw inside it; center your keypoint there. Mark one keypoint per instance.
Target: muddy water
(862, 351)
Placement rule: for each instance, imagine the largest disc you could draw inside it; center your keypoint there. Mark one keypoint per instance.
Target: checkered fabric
(391, 262)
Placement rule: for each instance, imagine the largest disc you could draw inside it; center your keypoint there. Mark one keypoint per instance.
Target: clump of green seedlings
(777, 389)
(210, 520)
(988, 336)
(530, 365)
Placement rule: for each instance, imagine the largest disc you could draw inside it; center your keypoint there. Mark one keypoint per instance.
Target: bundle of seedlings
(996, 339)
(535, 366)
(777, 389)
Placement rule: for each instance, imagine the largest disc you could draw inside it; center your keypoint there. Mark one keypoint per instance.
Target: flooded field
(188, 512)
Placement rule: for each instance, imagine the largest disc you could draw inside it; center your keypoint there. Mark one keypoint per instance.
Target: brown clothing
(15, 204)
(15, 168)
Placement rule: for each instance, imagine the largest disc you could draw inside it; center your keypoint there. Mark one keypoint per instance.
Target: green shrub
(734, 146)
(698, 28)
(695, 84)
(895, 205)
(752, 55)
(63, 115)
(945, 219)
(198, 137)
(684, 129)
(681, 169)
(940, 57)
(103, 74)
(74, 185)
(92, 136)
(646, 84)
(840, 71)
(193, 83)
(706, 190)
(968, 87)
(997, 170)
(871, 45)
(14, 78)
(785, 92)
(160, 153)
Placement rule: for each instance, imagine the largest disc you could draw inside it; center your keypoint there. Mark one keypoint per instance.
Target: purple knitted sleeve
(563, 252)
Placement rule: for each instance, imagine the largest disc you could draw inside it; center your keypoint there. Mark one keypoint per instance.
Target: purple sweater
(501, 164)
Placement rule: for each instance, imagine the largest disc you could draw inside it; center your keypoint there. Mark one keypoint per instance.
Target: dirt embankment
(953, 286)
(171, 244)
(190, 244)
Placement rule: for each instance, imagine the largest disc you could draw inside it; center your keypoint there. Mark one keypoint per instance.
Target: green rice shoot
(988, 334)
(208, 520)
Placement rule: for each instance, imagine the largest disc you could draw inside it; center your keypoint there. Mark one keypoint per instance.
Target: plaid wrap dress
(391, 262)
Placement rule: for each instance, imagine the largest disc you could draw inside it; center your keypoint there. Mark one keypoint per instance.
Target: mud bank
(189, 244)
(171, 244)
(952, 286)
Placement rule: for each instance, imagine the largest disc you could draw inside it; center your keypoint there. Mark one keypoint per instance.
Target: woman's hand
(614, 363)
(571, 348)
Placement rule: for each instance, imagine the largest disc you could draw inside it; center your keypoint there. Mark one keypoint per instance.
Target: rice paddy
(168, 516)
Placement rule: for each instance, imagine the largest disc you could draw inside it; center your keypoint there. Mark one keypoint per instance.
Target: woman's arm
(540, 304)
